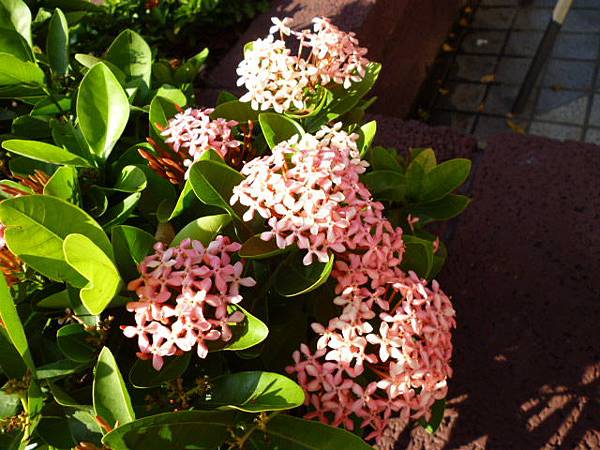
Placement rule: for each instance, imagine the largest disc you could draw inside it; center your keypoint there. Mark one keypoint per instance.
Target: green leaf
(48, 107)
(198, 430)
(445, 208)
(73, 341)
(143, 375)
(204, 229)
(255, 392)
(256, 248)
(425, 157)
(90, 61)
(41, 151)
(132, 55)
(119, 213)
(277, 128)
(64, 184)
(131, 245)
(59, 369)
(213, 183)
(9, 404)
(386, 184)
(173, 94)
(15, 15)
(36, 227)
(185, 200)
(294, 278)
(13, 326)
(14, 72)
(250, 332)
(11, 362)
(437, 414)
(13, 43)
(292, 433)
(58, 300)
(57, 43)
(418, 255)
(225, 96)
(111, 399)
(189, 69)
(161, 110)
(131, 179)
(104, 281)
(235, 110)
(367, 134)
(54, 430)
(70, 137)
(382, 158)
(445, 178)
(31, 127)
(102, 109)
(346, 99)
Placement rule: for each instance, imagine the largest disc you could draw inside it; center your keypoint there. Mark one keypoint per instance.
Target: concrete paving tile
(483, 41)
(462, 97)
(562, 106)
(512, 70)
(594, 120)
(532, 19)
(494, 18)
(523, 43)
(575, 45)
(569, 74)
(500, 99)
(555, 131)
(580, 20)
(472, 68)
(461, 122)
(593, 135)
(488, 126)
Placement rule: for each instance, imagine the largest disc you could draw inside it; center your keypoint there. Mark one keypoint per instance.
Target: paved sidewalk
(492, 59)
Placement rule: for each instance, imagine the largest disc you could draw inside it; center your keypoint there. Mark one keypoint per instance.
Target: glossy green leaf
(143, 375)
(277, 128)
(425, 157)
(198, 430)
(294, 278)
(104, 281)
(59, 369)
(204, 229)
(31, 127)
(250, 332)
(13, 326)
(346, 99)
(445, 178)
(382, 158)
(36, 227)
(14, 72)
(445, 208)
(225, 96)
(48, 106)
(256, 248)
(15, 15)
(184, 201)
(235, 110)
(69, 137)
(213, 183)
(131, 245)
(64, 184)
(111, 399)
(173, 94)
(9, 404)
(118, 214)
(90, 61)
(74, 342)
(102, 109)
(437, 414)
(57, 43)
(54, 430)
(41, 151)
(130, 53)
(58, 300)
(13, 43)
(292, 433)
(190, 68)
(161, 110)
(386, 184)
(418, 255)
(131, 179)
(366, 135)
(255, 392)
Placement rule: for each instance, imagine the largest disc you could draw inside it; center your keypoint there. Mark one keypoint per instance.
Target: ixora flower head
(192, 132)
(281, 78)
(185, 294)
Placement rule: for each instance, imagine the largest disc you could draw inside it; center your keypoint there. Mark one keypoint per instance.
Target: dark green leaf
(418, 255)
(143, 375)
(54, 430)
(445, 208)
(59, 300)
(256, 248)
(294, 278)
(437, 414)
(131, 245)
(74, 342)
(59, 369)
(64, 184)
(386, 184)
(235, 110)
(132, 55)
(57, 43)
(13, 43)
(445, 178)
(277, 128)
(118, 214)
(190, 68)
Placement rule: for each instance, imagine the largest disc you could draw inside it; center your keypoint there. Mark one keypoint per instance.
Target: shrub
(165, 265)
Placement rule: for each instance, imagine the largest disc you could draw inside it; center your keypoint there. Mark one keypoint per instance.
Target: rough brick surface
(524, 274)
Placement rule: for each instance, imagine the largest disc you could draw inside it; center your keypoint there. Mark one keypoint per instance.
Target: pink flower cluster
(277, 79)
(309, 191)
(393, 330)
(185, 294)
(194, 132)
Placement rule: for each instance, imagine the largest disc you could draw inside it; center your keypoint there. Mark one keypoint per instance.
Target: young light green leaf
(15, 15)
(366, 135)
(102, 109)
(235, 110)
(143, 375)
(36, 227)
(49, 106)
(90, 61)
(104, 281)
(213, 183)
(204, 229)
(111, 399)
(57, 43)
(198, 430)
(161, 110)
(277, 128)
(13, 43)
(14, 72)
(255, 392)
(173, 94)
(64, 184)
(444, 178)
(131, 54)
(250, 332)
(13, 326)
(131, 179)
(294, 278)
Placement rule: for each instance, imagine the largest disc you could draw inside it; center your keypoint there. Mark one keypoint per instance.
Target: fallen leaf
(448, 48)
(515, 126)
(443, 91)
(489, 78)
